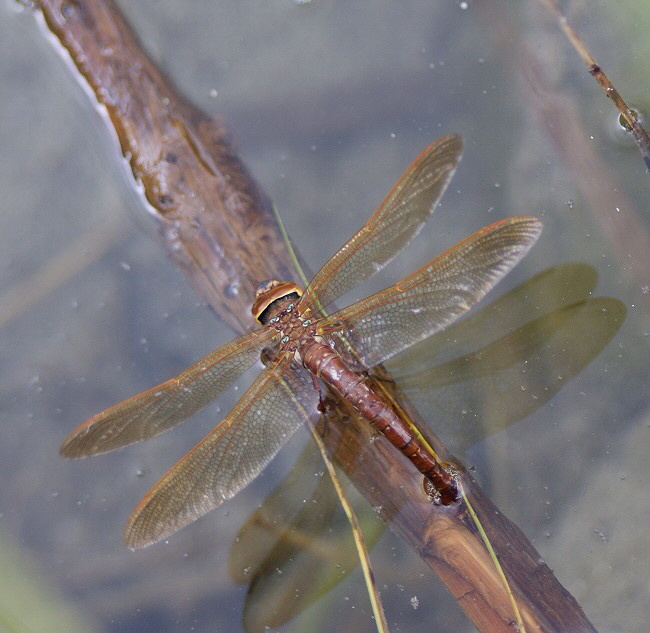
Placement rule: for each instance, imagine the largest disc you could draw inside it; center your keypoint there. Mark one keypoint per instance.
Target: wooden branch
(215, 221)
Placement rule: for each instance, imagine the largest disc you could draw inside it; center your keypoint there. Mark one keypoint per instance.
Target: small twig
(629, 119)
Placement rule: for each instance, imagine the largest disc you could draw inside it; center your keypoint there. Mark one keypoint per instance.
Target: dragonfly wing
(391, 228)
(388, 322)
(230, 457)
(168, 404)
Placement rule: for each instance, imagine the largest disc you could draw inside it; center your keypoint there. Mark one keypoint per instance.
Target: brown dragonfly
(304, 347)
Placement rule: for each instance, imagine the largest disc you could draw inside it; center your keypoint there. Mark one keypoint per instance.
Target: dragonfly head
(271, 297)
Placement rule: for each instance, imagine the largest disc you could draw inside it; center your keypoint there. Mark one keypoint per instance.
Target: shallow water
(329, 102)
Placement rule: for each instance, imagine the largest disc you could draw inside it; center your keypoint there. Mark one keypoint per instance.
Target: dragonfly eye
(284, 339)
(271, 292)
(274, 320)
(306, 323)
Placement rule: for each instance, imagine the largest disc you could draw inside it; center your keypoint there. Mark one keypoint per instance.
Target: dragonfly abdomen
(325, 363)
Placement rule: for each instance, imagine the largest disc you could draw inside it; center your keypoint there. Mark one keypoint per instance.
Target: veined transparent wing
(170, 403)
(391, 228)
(388, 322)
(230, 457)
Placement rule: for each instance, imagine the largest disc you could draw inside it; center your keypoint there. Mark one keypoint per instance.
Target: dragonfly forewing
(163, 407)
(230, 457)
(392, 226)
(375, 329)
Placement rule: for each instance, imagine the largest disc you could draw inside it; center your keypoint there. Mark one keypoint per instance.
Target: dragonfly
(305, 349)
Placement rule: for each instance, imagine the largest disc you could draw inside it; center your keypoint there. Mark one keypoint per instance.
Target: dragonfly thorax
(295, 330)
(277, 306)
